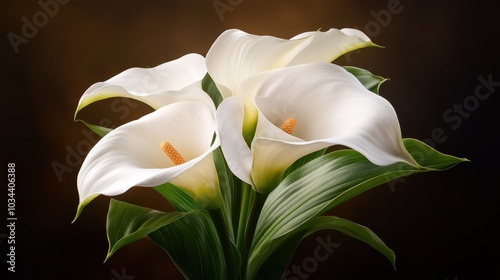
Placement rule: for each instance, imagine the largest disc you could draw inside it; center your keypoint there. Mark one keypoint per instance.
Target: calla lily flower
(302, 109)
(172, 144)
(236, 55)
(169, 82)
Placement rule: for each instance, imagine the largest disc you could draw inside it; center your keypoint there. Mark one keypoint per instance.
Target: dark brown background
(441, 225)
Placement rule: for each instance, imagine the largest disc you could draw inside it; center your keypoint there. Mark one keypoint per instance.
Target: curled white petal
(237, 55)
(229, 127)
(131, 155)
(164, 84)
(331, 108)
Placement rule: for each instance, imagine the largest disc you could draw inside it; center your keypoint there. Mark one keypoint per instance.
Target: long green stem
(258, 200)
(244, 211)
(232, 265)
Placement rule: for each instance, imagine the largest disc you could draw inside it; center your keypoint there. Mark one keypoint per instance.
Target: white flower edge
(331, 107)
(131, 155)
(236, 55)
(176, 80)
(229, 128)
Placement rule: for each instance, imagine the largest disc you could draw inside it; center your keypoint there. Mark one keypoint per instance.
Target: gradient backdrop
(440, 225)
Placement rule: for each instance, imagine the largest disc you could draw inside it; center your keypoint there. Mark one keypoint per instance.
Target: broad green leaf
(193, 245)
(283, 249)
(209, 86)
(354, 230)
(370, 81)
(303, 160)
(97, 129)
(277, 258)
(327, 181)
(127, 223)
(190, 238)
(178, 198)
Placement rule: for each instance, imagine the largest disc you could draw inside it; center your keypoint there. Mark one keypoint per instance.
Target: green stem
(232, 266)
(244, 211)
(237, 192)
(258, 200)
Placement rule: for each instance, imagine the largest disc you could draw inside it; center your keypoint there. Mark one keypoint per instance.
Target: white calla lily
(131, 155)
(237, 55)
(330, 107)
(173, 81)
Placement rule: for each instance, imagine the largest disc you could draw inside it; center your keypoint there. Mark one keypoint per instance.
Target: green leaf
(99, 130)
(127, 223)
(179, 199)
(209, 86)
(189, 238)
(326, 182)
(283, 249)
(370, 81)
(226, 218)
(303, 160)
(354, 230)
(193, 245)
(279, 255)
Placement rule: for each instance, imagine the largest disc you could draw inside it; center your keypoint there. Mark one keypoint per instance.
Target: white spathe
(236, 55)
(173, 81)
(131, 155)
(331, 108)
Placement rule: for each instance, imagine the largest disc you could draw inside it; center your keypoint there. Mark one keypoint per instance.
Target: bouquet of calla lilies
(239, 143)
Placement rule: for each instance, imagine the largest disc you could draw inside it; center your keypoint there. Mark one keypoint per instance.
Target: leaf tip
(108, 255)
(382, 80)
(465, 159)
